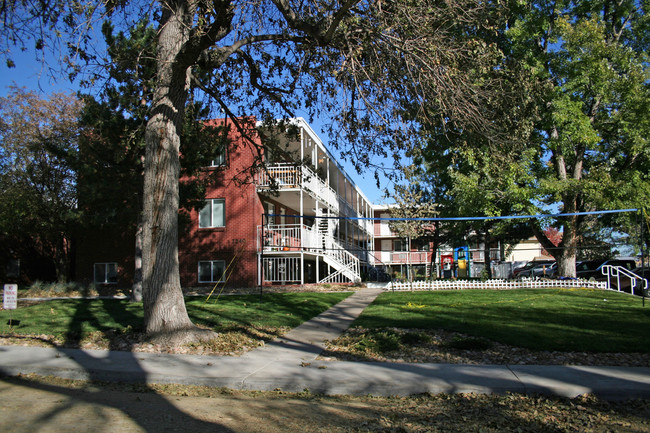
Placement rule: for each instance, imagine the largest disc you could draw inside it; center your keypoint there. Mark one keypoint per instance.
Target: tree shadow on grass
(92, 362)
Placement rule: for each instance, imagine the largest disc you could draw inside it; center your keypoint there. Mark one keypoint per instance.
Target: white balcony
(289, 177)
(276, 240)
(290, 237)
(402, 257)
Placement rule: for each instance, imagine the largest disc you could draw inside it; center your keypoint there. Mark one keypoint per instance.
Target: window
(105, 273)
(213, 214)
(400, 245)
(211, 271)
(219, 160)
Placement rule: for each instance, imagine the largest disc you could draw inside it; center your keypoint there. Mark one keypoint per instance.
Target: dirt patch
(440, 346)
(231, 341)
(53, 405)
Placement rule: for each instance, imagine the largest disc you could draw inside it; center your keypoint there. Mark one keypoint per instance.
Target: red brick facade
(236, 242)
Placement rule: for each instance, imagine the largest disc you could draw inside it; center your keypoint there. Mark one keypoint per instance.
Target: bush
(415, 338)
(42, 289)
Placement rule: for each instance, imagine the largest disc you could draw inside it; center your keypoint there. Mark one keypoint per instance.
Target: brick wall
(236, 243)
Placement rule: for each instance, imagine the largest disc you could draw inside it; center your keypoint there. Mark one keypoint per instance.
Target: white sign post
(10, 301)
(10, 297)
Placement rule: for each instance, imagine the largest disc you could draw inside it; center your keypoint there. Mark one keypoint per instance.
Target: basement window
(211, 271)
(105, 273)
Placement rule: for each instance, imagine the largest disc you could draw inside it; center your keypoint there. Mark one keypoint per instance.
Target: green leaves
(38, 196)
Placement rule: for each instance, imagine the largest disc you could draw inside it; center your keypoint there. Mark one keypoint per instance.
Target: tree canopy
(38, 195)
(577, 129)
(590, 62)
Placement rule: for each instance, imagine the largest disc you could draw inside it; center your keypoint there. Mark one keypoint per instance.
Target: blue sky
(33, 75)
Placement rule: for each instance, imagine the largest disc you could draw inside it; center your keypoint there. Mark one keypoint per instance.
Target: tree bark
(486, 252)
(565, 252)
(566, 259)
(165, 316)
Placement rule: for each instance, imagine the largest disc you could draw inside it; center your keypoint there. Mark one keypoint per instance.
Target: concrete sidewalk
(307, 341)
(290, 364)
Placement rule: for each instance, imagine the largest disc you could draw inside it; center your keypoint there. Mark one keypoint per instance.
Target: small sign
(10, 297)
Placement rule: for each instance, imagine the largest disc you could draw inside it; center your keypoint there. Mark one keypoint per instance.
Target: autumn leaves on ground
(54, 405)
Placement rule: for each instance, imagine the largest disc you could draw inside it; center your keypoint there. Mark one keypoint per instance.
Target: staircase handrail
(345, 259)
(616, 271)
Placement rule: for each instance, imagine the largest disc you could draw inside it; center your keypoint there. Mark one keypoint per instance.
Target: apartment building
(330, 240)
(397, 256)
(287, 223)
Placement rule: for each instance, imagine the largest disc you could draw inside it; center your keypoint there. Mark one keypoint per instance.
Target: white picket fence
(493, 284)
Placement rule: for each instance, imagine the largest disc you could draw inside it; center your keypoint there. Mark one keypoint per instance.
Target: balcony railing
(291, 176)
(402, 257)
(296, 237)
(283, 175)
(291, 237)
(288, 176)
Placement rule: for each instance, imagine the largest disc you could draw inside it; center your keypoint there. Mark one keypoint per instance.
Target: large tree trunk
(566, 263)
(565, 252)
(566, 256)
(165, 315)
(486, 253)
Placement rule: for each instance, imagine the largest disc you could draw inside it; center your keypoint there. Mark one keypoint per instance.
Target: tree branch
(321, 31)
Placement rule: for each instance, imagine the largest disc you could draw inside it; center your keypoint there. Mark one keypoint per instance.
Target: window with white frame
(211, 271)
(105, 273)
(219, 160)
(213, 214)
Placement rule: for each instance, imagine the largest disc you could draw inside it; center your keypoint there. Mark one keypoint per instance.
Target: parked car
(518, 269)
(535, 268)
(593, 268)
(544, 270)
(586, 268)
(378, 275)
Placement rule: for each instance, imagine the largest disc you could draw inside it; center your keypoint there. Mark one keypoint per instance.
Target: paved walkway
(290, 364)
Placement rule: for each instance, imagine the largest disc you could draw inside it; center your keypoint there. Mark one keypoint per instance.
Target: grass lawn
(72, 320)
(581, 320)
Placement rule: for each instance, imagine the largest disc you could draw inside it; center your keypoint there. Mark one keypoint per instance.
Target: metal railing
(289, 176)
(282, 269)
(345, 263)
(617, 272)
(282, 175)
(403, 257)
(297, 237)
(288, 237)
